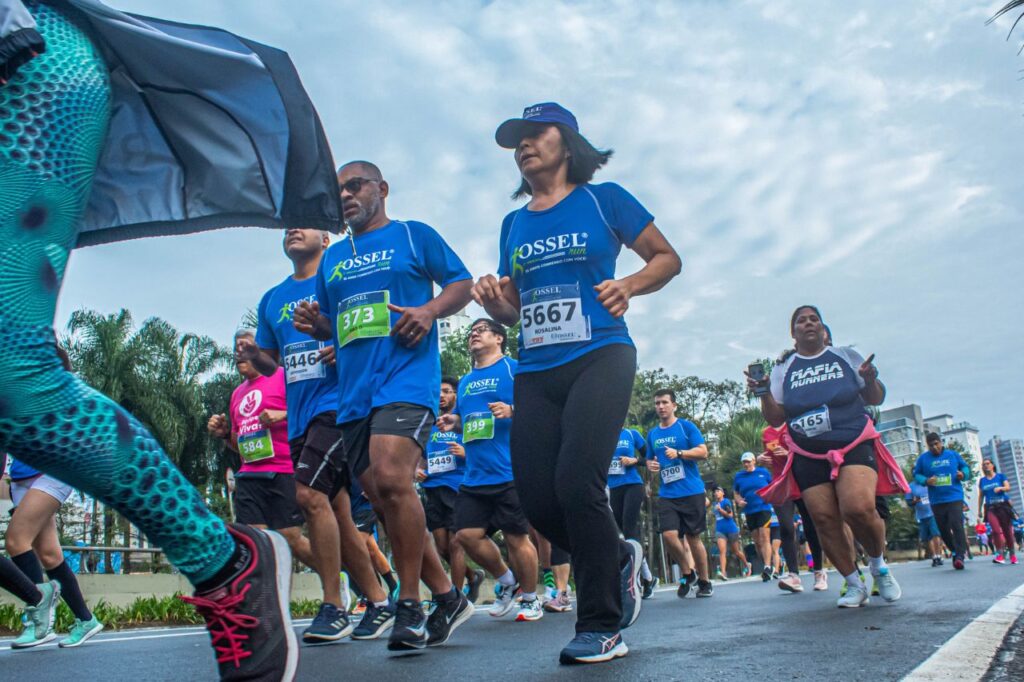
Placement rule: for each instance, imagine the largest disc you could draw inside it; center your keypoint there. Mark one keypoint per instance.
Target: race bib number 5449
(553, 314)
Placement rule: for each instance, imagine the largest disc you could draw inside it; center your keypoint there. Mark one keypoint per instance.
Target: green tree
(972, 462)
(456, 360)
(741, 434)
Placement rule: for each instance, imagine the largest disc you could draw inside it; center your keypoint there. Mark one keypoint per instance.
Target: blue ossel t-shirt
(442, 467)
(486, 439)
(988, 488)
(821, 397)
(944, 467)
(555, 257)
(747, 483)
(923, 508)
(724, 524)
(619, 474)
(397, 263)
(311, 388)
(679, 477)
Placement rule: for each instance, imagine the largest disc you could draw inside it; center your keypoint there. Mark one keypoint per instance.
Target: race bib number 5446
(553, 314)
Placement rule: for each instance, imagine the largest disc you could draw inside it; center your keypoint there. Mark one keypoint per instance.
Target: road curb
(968, 654)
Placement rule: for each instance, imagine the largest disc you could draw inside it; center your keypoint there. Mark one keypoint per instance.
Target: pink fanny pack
(891, 481)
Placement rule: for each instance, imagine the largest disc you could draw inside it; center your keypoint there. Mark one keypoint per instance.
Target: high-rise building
(902, 430)
(1008, 456)
(452, 325)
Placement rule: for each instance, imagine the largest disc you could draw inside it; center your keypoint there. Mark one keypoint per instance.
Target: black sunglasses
(353, 185)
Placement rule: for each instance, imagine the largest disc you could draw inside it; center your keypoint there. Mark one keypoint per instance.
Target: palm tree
(1015, 4)
(741, 434)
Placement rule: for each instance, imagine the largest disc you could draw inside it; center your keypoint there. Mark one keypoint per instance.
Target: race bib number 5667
(553, 314)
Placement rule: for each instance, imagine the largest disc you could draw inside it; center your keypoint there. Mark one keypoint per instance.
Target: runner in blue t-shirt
(487, 498)
(757, 512)
(440, 474)
(993, 490)
(821, 393)
(944, 471)
(375, 301)
(626, 494)
(927, 530)
(727, 534)
(311, 392)
(557, 276)
(674, 447)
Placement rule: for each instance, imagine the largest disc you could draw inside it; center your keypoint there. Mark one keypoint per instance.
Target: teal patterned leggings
(53, 120)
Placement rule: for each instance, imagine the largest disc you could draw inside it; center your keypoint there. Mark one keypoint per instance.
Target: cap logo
(531, 112)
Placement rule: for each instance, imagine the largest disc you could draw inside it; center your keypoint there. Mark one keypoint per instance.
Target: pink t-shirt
(261, 448)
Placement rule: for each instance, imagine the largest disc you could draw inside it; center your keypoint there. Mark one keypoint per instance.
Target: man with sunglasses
(375, 300)
(487, 498)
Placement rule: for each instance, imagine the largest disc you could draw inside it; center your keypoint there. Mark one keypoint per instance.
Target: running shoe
(504, 599)
(346, 591)
(958, 563)
(745, 571)
(39, 618)
(629, 582)
(886, 585)
(942, 562)
(410, 629)
(473, 586)
(820, 581)
(248, 619)
(375, 622)
(1013, 559)
(360, 608)
(936, 561)
(705, 589)
(445, 616)
(791, 583)
(330, 625)
(685, 583)
(999, 560)
(649, 587)
(593, 647)
(560, 604)
(766, 574)
(529, 609)
(81, 631)
(854, 596)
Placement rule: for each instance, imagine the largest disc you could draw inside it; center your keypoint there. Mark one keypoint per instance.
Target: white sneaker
(791, 583)
(856, 595)
(529, 610)
(504, 599)
(887, 586)
(820, 581)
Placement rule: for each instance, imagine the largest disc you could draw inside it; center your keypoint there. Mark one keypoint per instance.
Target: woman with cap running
(556, 274)
(838, 463)
(727, 534)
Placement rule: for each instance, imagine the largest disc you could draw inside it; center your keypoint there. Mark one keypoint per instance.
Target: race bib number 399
(553, 314)
(302, 362)
(364, 316)
(478, 426)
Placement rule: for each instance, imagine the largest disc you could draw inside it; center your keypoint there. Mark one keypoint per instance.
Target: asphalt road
(747, 630)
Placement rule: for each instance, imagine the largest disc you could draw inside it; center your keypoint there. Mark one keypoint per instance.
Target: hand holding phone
(757, 381)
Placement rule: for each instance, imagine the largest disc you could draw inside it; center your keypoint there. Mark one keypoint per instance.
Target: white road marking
(969, 653)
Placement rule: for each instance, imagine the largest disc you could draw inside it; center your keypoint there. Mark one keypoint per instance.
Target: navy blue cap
(512, 131)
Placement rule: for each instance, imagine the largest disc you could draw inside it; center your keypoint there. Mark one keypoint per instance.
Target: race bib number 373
(553, 314)
(364, 316)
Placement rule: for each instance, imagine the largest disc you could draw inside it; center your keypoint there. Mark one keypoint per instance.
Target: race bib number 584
(553, 314)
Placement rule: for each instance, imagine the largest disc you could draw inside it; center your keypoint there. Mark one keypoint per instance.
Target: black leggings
(787, 532)
(564, 434)
(949, 517)
(811, 535)
(626, 501)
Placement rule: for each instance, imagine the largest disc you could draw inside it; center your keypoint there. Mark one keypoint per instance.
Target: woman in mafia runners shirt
(556, 274)
(838, 462)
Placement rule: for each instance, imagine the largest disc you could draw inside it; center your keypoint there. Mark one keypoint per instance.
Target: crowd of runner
(344, 425)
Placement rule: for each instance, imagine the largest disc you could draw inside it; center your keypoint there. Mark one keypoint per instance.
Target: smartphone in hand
(756, 372)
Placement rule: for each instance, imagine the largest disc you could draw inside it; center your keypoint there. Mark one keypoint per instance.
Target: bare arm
(499, 297)
(698, 453)
(662, 263)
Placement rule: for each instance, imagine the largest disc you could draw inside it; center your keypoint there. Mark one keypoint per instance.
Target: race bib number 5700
(553, 314)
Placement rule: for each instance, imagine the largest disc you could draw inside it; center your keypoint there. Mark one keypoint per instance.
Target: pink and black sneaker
(248, 618)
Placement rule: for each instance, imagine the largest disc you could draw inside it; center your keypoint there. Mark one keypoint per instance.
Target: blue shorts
(927, 529)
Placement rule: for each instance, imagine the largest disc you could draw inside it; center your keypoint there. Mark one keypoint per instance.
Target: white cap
(747, 456)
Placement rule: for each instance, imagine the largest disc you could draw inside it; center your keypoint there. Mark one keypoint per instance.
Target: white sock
(876, 563)
(380, 604)
(854, 580)
(507, 579)
(645, 570)
(529, 596)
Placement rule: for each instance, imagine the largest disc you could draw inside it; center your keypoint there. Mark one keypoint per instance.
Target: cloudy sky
(862, 156)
